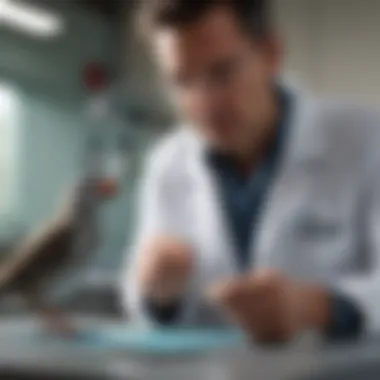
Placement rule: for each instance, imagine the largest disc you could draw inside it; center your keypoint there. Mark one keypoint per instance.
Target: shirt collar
(219, 161)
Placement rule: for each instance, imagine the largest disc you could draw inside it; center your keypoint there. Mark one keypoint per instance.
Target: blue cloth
(158, 342)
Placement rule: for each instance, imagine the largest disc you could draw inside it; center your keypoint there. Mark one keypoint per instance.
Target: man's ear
(273, 47)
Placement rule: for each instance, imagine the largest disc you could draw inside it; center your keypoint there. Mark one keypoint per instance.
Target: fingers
(261, 304)
(228, 292)
(52, 318)
(165, 267)
(164, 257)
(56, 322)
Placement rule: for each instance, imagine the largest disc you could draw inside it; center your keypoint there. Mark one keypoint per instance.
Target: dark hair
(253, 15)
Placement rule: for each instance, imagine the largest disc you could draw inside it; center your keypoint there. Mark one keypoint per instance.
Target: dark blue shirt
(243, 195)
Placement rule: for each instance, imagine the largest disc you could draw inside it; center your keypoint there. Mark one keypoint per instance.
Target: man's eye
(182, 82)
(223, 72)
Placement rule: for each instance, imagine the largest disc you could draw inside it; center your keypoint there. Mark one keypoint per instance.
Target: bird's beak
(107, 188)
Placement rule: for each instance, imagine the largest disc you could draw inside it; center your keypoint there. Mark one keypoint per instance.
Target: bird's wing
(36, 256)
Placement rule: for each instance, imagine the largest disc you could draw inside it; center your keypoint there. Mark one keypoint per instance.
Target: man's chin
(225, 146)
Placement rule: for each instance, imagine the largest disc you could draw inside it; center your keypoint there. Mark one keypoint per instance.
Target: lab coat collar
(305, 145)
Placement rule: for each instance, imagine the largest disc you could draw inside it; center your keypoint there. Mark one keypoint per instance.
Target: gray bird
(64, 243)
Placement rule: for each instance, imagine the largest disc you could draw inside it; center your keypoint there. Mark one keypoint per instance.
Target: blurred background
(52, 53)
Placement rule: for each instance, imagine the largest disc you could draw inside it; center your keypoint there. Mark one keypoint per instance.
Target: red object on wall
(95, 77)
(108, 188)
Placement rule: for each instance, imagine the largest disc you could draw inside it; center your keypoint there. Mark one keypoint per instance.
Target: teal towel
(167, 342)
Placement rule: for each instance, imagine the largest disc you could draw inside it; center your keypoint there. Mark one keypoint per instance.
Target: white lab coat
(320, 222)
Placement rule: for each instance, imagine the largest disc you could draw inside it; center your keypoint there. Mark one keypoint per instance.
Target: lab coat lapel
(301, 157)
(214, 238)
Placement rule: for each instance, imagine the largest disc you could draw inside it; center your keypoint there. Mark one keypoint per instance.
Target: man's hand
(165, 268)
(272, 308)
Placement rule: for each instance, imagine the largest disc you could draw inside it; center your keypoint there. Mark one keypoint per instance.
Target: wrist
(164, 292)
(317, 308)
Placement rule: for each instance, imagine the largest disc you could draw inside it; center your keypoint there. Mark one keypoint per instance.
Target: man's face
(220, 79)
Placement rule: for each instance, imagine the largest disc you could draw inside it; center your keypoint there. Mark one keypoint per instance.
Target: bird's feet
(57, 323)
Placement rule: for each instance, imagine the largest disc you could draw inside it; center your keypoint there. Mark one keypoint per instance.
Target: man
(263, 209)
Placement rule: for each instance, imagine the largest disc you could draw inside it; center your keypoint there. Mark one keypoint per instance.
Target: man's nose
(209, 100)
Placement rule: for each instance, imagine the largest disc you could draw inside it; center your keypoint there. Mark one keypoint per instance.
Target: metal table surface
(306, 359)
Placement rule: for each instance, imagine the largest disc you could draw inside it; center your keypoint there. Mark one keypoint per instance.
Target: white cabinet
(332, 46)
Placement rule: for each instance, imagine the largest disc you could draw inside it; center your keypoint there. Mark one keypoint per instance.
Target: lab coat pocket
(327, 242)
(314, 227)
